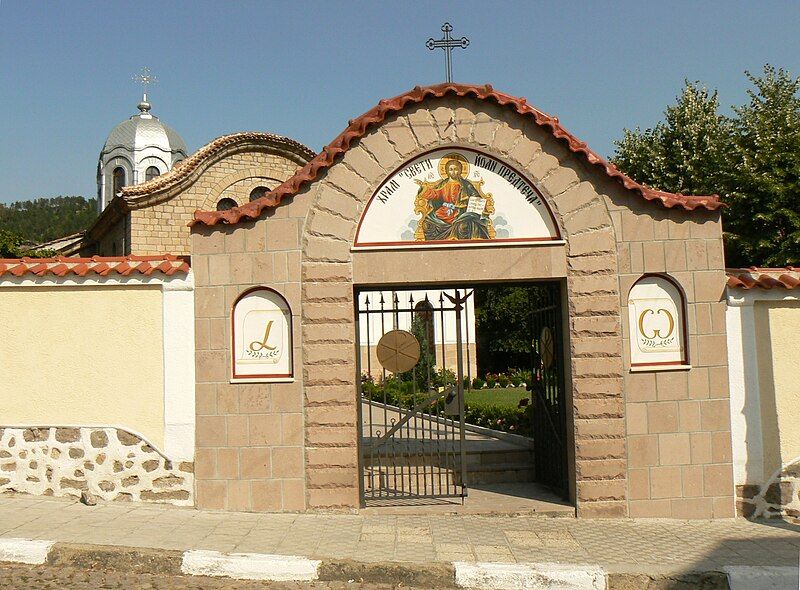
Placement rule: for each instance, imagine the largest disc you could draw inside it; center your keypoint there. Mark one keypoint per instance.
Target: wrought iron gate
(547, 388)
(412, 422)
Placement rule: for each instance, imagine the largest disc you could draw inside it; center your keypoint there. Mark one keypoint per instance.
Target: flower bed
(511, 413)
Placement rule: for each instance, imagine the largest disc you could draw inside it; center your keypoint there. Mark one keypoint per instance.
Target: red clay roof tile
(358, 127)
(764, 278)
(61, 266)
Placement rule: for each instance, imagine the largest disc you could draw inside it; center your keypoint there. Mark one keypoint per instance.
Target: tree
(9, 244)
(503, 328)
(751, 159)
(685, 153)
(763, 221)
(13, 246)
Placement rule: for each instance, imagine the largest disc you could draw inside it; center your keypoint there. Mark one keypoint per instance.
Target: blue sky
(303, 69)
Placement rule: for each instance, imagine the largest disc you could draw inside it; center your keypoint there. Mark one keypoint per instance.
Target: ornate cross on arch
(447, 43)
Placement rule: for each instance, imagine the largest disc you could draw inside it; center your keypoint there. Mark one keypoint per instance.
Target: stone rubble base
(777, 498)
(477, 576)
(111, 463)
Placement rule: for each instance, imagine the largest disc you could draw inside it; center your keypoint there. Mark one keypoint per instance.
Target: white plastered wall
(745, 381)
(149, 392)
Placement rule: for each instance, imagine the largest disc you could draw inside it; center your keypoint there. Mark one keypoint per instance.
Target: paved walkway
(652, 546)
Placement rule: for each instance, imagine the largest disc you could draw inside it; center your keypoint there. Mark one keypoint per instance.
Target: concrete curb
(255, 566)
(501, 576)
(25, 551)
(250, 566)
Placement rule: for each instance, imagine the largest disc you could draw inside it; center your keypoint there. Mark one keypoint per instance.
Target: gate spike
(411, 299)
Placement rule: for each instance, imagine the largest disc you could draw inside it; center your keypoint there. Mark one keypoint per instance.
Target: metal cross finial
(145, 78)
(447, 43)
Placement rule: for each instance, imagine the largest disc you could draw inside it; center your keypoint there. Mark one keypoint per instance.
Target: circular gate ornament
(398, 351)
(547, 350)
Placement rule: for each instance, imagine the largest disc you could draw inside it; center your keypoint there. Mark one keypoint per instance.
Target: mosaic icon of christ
(453, 208)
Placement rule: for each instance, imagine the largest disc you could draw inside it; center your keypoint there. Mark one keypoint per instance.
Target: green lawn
(496, 397)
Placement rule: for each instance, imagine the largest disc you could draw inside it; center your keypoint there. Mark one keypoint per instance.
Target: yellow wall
(83, 356)
(777, 329)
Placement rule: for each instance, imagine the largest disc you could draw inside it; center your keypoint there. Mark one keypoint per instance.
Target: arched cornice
(187, 172)
(358, 127)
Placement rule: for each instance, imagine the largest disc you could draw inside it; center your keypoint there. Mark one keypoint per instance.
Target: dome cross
(145, 78)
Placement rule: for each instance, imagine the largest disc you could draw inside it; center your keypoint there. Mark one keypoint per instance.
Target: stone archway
(587, 261)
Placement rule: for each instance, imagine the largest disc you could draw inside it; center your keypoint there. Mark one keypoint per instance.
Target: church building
(144, 210)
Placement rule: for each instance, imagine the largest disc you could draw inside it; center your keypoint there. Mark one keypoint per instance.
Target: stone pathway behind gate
(651, 546)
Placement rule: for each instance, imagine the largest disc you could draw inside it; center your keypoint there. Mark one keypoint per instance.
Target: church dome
(137, 150)
(142, 131)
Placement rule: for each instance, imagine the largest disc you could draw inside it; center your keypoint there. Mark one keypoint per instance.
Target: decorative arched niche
(261, 337)
(657, 325)
(455, 196)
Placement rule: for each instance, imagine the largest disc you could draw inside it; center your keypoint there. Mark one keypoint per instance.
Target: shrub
(503, 380)
(443, 377)
(478, 383)
(503, 418)
(520, 376)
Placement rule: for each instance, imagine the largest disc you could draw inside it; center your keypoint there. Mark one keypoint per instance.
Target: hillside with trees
(41, 220)
(27, 223)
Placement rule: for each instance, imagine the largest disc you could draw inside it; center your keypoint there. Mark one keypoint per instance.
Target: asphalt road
(26, 577)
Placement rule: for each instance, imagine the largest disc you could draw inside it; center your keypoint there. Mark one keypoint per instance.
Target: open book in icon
(476, 205)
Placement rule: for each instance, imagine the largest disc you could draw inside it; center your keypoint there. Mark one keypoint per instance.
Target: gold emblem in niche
(262, 338)
(256, 346)
(656, 331)
(656, 328)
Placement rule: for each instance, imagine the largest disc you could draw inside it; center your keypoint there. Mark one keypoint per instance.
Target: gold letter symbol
(263, 344)
(656, 331)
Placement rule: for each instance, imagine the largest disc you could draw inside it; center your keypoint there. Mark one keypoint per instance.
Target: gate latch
(451, 406)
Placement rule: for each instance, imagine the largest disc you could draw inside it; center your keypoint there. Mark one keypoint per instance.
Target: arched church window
(259, 192)
(119, 179)
(226, 204)
(151, 173)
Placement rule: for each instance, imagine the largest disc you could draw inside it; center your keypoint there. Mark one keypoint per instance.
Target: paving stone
(614, 544)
